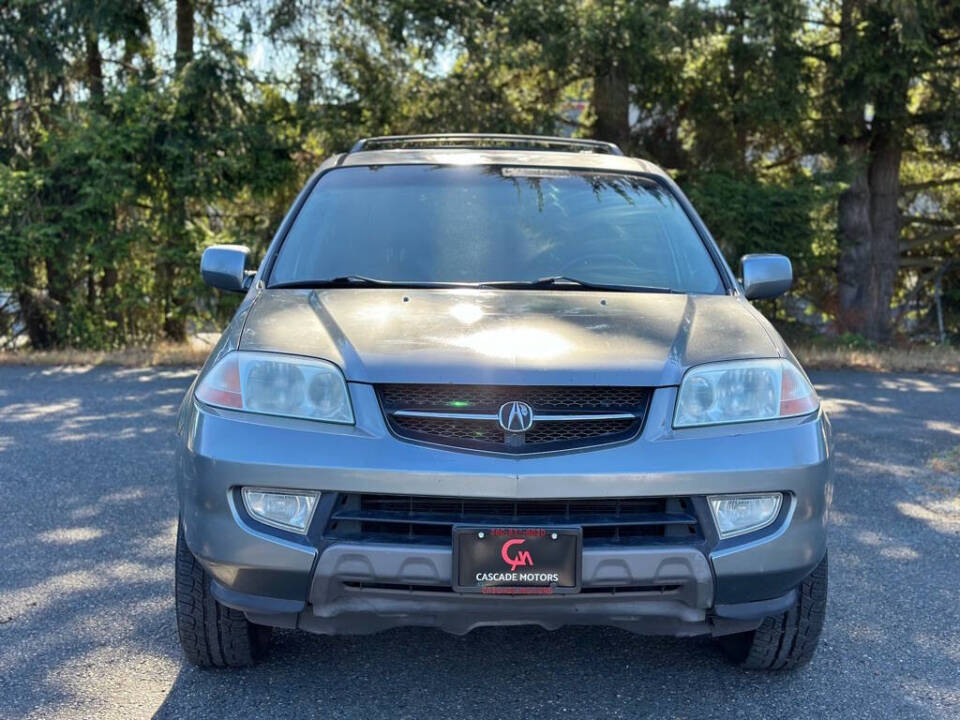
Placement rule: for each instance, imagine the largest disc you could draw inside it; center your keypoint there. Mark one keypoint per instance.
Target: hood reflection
(508, 337)
(516, 341)
(467, 313)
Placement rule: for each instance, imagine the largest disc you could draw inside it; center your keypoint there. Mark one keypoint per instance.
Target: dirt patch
(920, 359)
(947, 461)
(190, 354)
(194, 352)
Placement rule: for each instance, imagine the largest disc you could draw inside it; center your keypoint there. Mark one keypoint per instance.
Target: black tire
(788, 640)
(211, 634)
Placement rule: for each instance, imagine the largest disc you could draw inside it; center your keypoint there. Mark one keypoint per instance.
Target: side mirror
(225, 267)
(765, 275)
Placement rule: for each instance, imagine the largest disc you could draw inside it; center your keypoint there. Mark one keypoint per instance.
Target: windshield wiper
(363, 281)
(561, 280)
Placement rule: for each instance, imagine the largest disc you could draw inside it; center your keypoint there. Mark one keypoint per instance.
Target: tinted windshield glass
(417, 223)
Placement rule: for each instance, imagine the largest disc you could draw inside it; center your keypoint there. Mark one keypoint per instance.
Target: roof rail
(488, 141)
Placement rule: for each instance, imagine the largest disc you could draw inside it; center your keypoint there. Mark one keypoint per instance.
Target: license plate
(516, 560)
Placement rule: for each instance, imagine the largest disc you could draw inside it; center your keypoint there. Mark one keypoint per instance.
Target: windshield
(474, 224)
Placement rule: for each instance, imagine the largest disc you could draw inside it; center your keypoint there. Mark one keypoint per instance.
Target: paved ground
(87, 515)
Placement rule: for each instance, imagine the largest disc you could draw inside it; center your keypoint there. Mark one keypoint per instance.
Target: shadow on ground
(86, 613)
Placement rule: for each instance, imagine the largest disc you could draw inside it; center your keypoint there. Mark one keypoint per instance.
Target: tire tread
(211, 634)
(788, 640)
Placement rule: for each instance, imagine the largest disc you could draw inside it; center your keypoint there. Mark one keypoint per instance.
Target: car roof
(471, 149)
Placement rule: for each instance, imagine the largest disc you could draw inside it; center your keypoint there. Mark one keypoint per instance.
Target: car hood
(548, 337)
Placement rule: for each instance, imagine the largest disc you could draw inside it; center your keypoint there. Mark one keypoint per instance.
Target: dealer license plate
(517, 560)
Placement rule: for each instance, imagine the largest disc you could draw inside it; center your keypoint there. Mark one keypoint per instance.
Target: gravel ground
(87, 525)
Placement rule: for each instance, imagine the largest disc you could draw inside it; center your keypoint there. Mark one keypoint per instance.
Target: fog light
(739, 514)
(282, 509)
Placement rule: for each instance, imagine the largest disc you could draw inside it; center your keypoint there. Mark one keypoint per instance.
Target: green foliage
(118, 164)
(747, 215)
(854, 341)
(107, 198)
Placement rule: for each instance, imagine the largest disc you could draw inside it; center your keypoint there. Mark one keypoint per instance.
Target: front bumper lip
(361, 588)
(402, 565)
(466, 612)
(364, 588)
(340, 603)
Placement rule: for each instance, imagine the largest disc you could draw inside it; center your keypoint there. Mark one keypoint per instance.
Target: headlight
(742, 391)
(273, 384)
(739, 514)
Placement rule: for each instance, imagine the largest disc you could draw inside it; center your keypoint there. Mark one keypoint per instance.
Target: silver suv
(499, 380)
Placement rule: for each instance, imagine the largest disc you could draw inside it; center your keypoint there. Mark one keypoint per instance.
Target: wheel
(788, 640)
(211, 634)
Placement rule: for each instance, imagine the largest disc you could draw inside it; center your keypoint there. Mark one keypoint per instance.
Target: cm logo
(520, 559)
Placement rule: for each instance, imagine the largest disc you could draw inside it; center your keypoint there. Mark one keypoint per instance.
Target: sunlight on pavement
(114, 680)
(70, 536)
(942, 516)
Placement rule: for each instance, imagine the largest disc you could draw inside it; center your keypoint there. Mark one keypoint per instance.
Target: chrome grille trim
(537, 417)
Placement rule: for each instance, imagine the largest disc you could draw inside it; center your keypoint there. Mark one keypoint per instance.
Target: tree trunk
(35, 307)
(869, 227)
(611, 104)
(868, 218)
(306, 64)
(186, 29)
(174, 322)
(94, 62)
(36, 312)
(59, 300)
(91, 284)
(111, 301)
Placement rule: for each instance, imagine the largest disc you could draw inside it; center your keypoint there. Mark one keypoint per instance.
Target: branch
(924, 118)
(920, 220)
(816, 55)
(822, 22)
(929, 184)
(944, 234)
(940, 40)
(912, 262)
(785, 160)
(911, 296)
(571, 123)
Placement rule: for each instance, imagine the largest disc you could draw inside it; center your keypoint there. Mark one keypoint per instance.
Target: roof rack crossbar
(479, 139)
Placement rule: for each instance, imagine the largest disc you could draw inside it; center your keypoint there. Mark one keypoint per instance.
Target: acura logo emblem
(515, 416)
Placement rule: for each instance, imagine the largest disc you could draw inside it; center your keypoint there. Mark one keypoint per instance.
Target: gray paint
(765, 275)
(224, 449)
(400, 564)
(225, 267)
(504, 337)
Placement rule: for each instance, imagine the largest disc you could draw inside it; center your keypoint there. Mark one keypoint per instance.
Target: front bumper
(358, 589)
(330, 586)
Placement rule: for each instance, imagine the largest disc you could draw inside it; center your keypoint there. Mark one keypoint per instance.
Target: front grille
(465, 416)
(429, 520)
(449, 432)
(563, 432)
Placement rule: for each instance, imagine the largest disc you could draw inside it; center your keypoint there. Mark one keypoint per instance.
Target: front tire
(788, 640)
(211, 634)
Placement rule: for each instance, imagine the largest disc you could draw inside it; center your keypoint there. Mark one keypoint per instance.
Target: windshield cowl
(548, 283)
